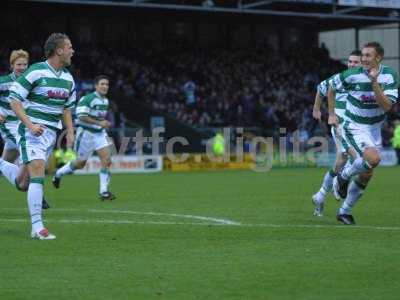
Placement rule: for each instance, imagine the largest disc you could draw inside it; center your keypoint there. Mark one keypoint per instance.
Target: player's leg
(18, 176)
(105, 175)
(10, 154)
(368, 161)
(35, 195)
(355, 191)
(366, 143)
(9, 170)
(68, 168)
(84, 148)
(34, 151)
(318, 198)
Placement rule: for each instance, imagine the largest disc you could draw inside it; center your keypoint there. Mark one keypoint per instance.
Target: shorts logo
(33, 152)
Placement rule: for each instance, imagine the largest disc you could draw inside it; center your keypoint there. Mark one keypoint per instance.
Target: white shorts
(361, 137)
(87, 142)
(35, 147)
(9, 133)
(341, 144)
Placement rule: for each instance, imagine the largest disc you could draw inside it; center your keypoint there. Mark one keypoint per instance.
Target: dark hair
(356, 53)
(378, 48)
(53, 42)
(100, 77)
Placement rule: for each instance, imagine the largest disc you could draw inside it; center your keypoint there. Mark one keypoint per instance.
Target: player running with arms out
(91, 136)
(318, 198)
(371, 92)
(17, 176)
(48, 91)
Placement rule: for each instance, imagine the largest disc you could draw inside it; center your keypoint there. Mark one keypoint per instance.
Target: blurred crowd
(218, 87)
(210, 87)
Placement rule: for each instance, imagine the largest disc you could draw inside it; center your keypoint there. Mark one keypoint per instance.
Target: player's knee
(36, 168)
(341, 160)
(107, 162)
(79, 164)
(22, 186)
(365, 177)
(372, 156)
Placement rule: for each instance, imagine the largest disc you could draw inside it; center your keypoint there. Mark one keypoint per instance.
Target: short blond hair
(15, 54)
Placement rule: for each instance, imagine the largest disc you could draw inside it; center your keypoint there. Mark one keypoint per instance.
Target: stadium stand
(254, 86)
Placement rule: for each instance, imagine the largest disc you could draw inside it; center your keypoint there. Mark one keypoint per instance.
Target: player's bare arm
(381, 98)
(35, 129)
(103, 123)
(67, 119)
(332, 118)
(317, 107)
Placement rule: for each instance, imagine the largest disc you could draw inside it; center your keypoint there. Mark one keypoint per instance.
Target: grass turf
(141, 247)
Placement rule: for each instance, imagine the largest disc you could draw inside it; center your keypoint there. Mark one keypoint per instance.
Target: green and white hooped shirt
(5, 85)
(45, 92)
(361, 105)
(94, 106)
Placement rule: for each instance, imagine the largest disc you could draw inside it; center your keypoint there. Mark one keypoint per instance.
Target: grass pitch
(207, 235)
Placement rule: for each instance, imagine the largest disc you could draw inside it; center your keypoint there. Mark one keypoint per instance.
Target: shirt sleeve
(3, 112)
(391, 90)
(83, 108)
(21, 88)
(322, 88)
(72, 98)
(337, 82)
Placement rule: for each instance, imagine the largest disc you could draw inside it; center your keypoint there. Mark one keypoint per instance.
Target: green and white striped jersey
(340, 99)
(361, 105)
(45, 93)
(94, 106)
(5, 84)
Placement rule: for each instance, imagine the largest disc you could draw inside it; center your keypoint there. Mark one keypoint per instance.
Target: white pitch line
(116, 222)
(194, 217)
(216, 220)
(119, 222)
(312, 226)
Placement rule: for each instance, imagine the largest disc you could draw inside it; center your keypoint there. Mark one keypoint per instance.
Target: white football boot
(43, 234)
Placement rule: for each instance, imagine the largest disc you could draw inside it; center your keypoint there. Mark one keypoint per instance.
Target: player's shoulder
(351, 72)
(88, 97)
(39, 66)
(324, 82)
(34, 72)
(388, 70)
(67, 73)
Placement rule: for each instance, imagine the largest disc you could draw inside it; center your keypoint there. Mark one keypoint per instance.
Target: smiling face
(102, 87)
(19, 66)
(370, 58)
(354, 61)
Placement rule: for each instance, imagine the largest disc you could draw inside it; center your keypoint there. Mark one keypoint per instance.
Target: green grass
(139, 255)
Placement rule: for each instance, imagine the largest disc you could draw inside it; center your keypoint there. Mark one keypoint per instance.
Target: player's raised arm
(382, 99)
